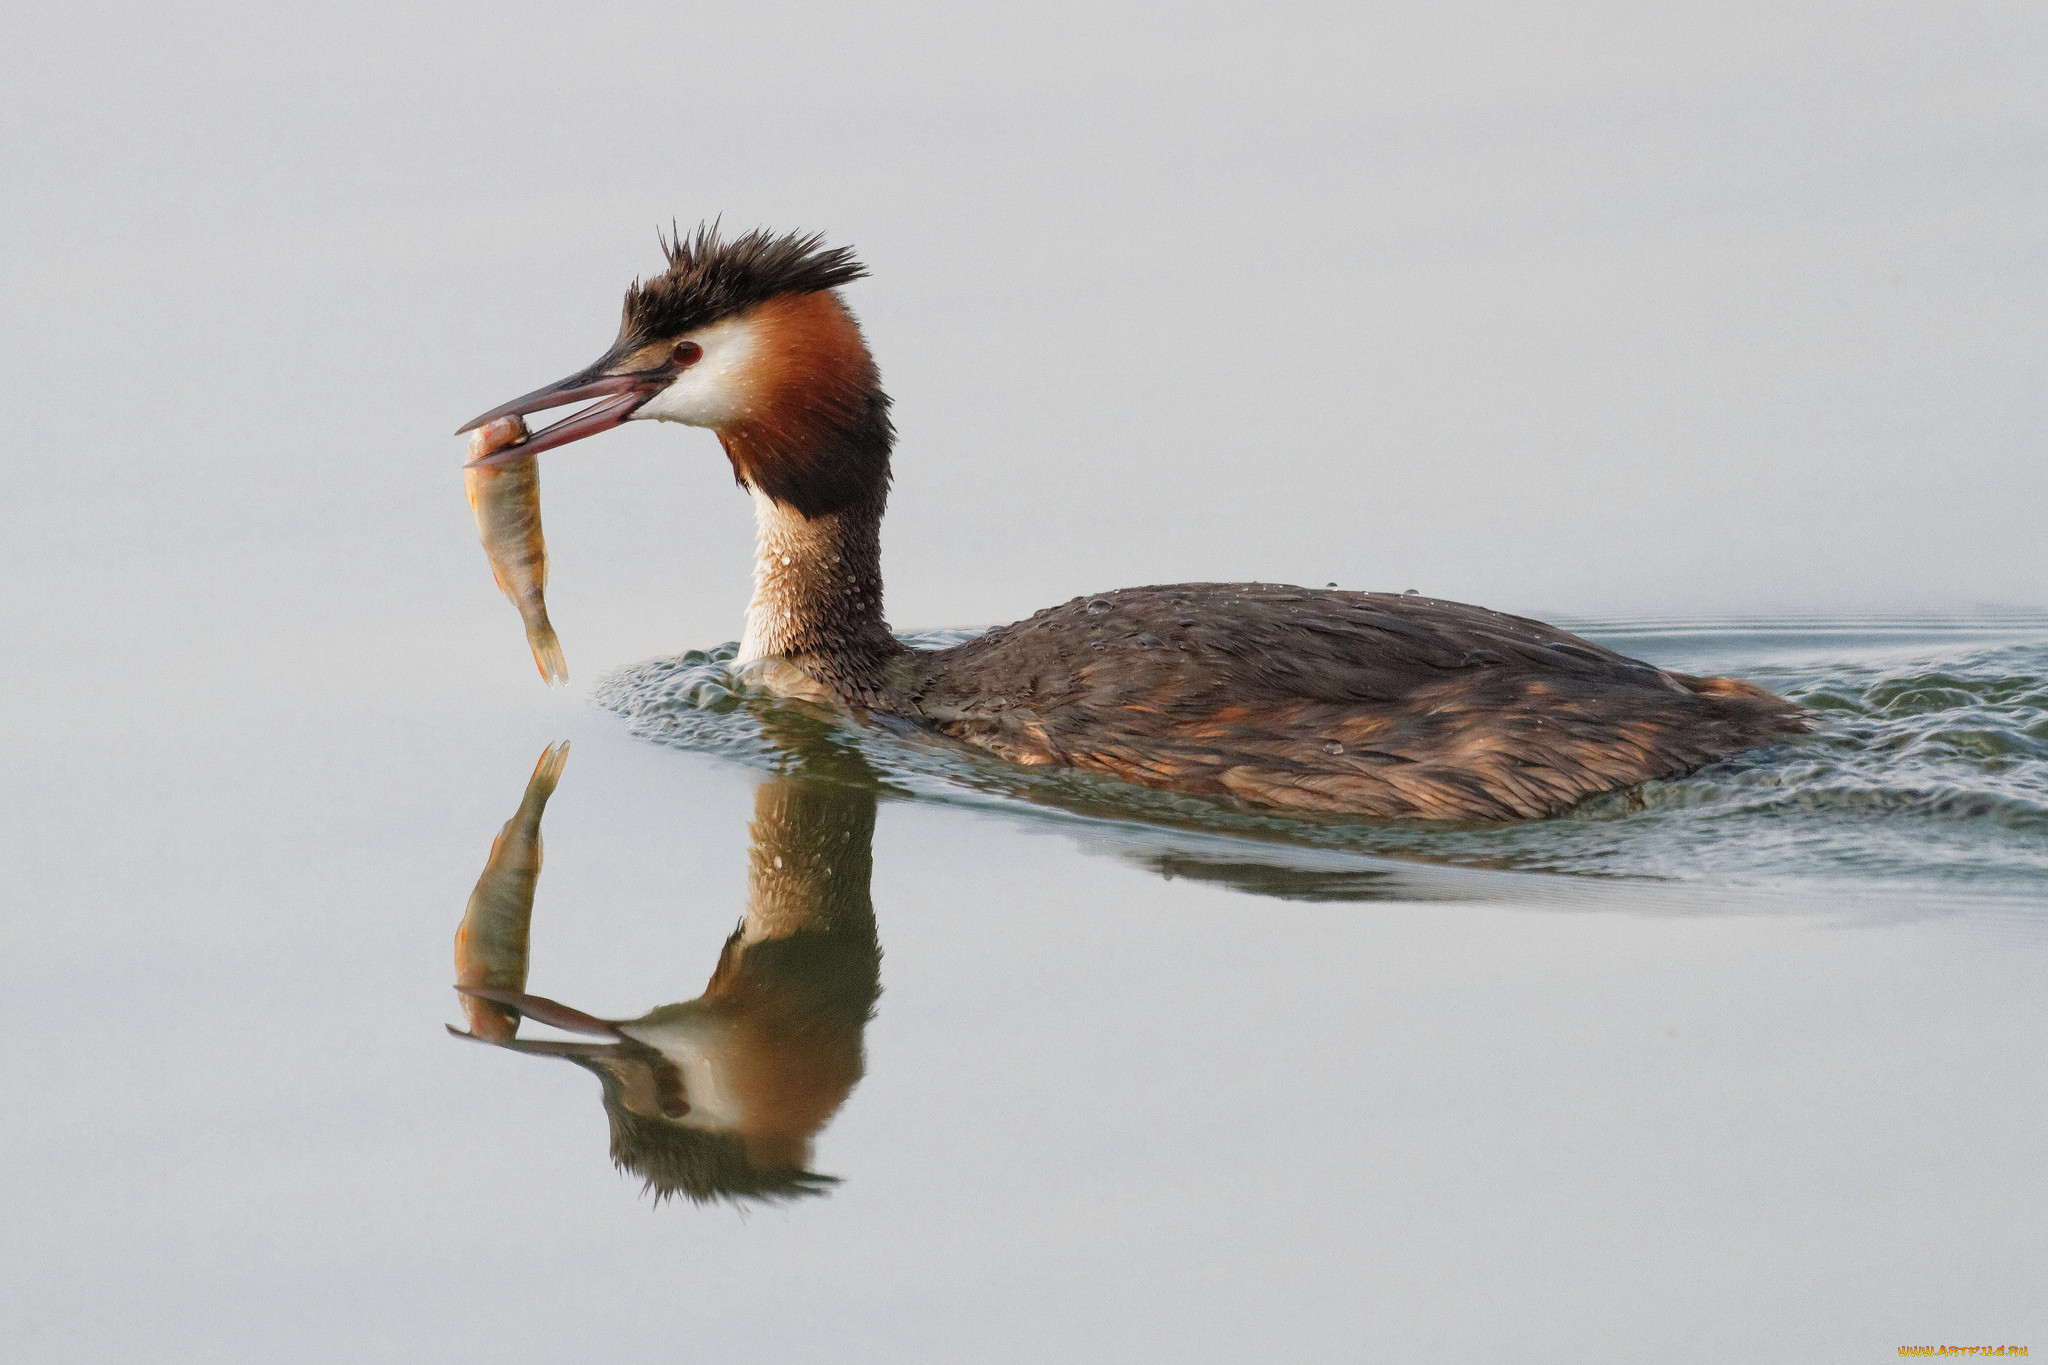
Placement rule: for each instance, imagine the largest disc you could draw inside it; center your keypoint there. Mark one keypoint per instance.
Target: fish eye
(688, 353)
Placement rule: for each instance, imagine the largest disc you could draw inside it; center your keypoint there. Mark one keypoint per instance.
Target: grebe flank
(1377, 704)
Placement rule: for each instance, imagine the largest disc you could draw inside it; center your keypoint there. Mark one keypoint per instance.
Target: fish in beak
(620, 394)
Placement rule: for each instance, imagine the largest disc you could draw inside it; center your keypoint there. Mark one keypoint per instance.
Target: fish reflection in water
(717, 1097)
(491, 944)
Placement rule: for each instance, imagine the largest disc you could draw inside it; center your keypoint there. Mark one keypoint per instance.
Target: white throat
(786, 546)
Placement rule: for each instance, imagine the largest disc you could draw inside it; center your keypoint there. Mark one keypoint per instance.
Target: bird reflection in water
(717, 1097)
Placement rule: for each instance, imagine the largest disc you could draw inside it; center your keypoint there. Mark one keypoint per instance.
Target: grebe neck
(809, 433)
(812, 860)
(818, 594)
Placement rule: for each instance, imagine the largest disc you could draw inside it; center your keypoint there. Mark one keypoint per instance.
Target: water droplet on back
(1333, 747)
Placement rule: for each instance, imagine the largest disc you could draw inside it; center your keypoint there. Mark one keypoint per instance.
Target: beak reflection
(719, 1096)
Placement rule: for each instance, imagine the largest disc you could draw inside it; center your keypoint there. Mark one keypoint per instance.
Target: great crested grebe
(1376, 704)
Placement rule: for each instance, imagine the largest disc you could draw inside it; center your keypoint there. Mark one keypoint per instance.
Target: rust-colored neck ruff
(813, 444)
(812, 431)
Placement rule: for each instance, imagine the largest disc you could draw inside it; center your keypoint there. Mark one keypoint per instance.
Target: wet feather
(1437, 710)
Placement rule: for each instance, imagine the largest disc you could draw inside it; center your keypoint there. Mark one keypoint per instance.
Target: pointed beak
(545, 1047)
(621, 395)
(542, 1010)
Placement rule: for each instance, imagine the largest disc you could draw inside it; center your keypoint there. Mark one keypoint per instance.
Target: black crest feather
(708, 279)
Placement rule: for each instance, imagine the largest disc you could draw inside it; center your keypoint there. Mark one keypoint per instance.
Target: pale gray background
(1569, 309)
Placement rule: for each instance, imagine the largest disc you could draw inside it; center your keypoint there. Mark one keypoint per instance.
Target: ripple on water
(1928, 771)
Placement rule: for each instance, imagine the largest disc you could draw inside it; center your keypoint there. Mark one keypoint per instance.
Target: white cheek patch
(717, 389)
(696, 1045)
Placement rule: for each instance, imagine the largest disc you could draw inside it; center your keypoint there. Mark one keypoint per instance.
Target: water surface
(1739, 1066)
(1926, 773)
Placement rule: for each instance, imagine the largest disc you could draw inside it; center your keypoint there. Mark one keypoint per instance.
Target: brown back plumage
(1369, 703)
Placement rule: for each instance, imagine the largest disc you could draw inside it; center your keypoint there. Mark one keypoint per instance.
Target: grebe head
(749, 339)
(717, 1097)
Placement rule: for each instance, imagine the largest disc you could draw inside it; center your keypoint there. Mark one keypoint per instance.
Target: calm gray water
(1746, 1066)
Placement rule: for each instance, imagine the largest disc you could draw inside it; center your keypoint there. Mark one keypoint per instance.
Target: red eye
(688, 353)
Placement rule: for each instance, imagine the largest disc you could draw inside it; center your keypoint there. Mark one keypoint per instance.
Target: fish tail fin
(548, 771)
(532, 804)
(547, 654)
